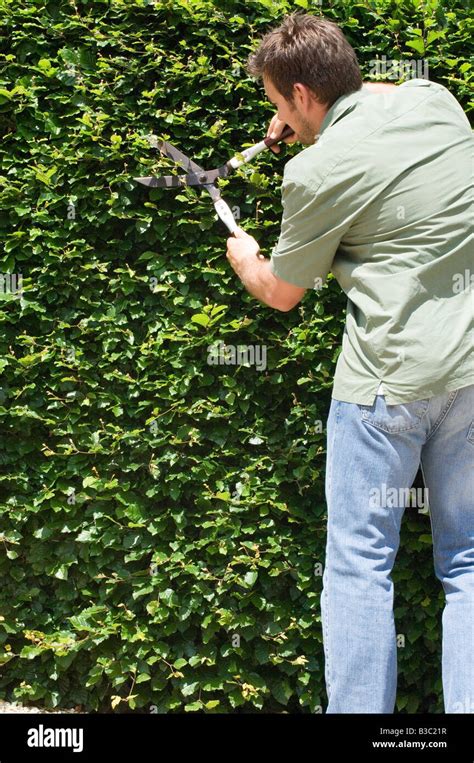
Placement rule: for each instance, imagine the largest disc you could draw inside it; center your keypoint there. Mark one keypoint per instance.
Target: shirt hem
(399, 399)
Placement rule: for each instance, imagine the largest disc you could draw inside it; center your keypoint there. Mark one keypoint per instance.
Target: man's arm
(255, 273)
(378, 87)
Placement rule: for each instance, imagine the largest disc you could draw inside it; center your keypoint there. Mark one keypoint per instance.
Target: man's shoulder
(328, 161)
(303, 169)
(376, 122)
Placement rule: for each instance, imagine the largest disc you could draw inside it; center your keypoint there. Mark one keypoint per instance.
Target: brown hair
(309, 50)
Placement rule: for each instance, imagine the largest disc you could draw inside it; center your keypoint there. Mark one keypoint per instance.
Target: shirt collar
(341, 107)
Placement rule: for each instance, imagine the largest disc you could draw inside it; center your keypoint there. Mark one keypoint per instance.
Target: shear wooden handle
(285, 134)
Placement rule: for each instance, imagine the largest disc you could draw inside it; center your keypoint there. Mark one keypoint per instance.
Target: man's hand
(275, 129)
(242, 248)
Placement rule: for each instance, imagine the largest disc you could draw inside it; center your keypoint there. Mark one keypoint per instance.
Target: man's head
(306, 64)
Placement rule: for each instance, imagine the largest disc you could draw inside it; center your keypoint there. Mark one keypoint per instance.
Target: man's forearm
(259, 280)
(378, 87)
(254, 271)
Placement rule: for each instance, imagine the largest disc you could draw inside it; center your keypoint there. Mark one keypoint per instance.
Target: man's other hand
(275, 129)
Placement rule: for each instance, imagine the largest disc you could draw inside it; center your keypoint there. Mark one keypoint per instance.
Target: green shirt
(384, 201)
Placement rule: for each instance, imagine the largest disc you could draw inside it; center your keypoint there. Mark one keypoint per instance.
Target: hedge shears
(207, 178)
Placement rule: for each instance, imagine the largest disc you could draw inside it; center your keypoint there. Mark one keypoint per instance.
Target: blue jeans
(373, 455)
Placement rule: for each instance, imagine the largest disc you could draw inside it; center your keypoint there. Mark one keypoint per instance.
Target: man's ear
(301, 93)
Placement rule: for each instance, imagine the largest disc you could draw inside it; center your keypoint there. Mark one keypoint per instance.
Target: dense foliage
(162, 517)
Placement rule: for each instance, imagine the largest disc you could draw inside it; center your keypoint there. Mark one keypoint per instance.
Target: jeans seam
(430, 514)
(326, 639)
(471, 429)
(442, 415)
(325, 587)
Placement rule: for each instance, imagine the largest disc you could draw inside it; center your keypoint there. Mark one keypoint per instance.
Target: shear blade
(173, 153)
(178, 181)
(167, 181)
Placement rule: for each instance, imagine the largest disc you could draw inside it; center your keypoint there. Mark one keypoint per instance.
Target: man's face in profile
(290, 113)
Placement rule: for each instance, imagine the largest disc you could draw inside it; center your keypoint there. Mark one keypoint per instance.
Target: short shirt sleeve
(312, 226)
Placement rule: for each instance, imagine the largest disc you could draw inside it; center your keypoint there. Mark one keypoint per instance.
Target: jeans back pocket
(394, 418)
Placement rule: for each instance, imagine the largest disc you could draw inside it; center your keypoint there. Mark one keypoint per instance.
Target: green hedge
(162, 518)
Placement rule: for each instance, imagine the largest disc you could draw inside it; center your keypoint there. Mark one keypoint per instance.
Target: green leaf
(417, 45)
(90, 481)
(201, 319)
(250, 578)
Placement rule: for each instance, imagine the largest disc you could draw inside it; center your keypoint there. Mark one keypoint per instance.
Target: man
(382, 197)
